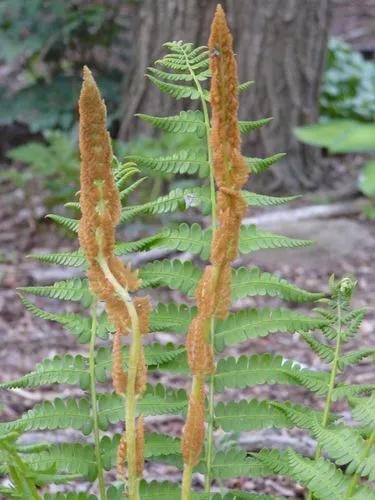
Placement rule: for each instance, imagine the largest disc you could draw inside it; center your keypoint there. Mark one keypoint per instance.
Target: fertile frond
(249, 126)
(58, 370)
(253, 323)
(266, 369)
(250, 282)
(171, 318)
(174, 274)
(182, 162)
(185, 122)
(258, 165)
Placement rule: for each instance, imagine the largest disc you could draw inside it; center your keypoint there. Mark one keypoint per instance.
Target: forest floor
(345, 245)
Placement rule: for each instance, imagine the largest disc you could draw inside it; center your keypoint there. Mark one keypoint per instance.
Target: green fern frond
(176, 91)
(77, 324)
(348, 391)
(173, 77)
(182, 162)
(161, 490)
(69, 458)
(325, 352)
(186, 238)
(258, 165)
(59, 414)
(171, 318)
(249, 126)
(186, 122)
(242, 87)
(250, 282)
(364, 411)
(261, 200)
(352, 358)
(58, 370)
(70, 496)
(70, 259)
(299, 415)
(253, 323)
(257, 369)
(66, 222)
(75, 289)
(130, 189)
(252, 239)
(346, 446)
(174, 274)
(157, 400)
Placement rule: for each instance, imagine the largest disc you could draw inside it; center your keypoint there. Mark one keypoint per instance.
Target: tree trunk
(280, 44)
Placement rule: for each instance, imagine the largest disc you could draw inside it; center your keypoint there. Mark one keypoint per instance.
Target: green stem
(19, 475)
(94, 402)
(130, 407)
(332, 380)
(357, 475)
(211, 390)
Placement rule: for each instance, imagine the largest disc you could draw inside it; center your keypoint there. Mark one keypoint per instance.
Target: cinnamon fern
(206, 318)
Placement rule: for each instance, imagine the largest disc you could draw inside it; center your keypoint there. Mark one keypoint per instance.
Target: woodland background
(312, 61)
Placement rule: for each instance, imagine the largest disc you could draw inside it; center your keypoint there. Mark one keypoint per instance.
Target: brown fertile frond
(141, 376)
(230, 168)
(140, 447)
(119, 377)
(199, 351)
(143, 307)
(121, 457)
(193, 431)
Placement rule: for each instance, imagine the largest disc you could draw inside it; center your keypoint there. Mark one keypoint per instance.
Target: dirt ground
(345, 246)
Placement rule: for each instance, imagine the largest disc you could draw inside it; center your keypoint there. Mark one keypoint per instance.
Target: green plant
(209, 327)
(348, 85)
(55, 163)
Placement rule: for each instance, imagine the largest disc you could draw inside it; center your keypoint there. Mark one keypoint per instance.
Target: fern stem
(357, 475)
(210, 429)
(130, 407)
(332, 380)
(94, 402)
(186, 482)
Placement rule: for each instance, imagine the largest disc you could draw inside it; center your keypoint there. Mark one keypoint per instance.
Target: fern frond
(253, 323)
(185, 238)
(183, 162)
(69, 458)
(258, 165)
(352, 358)
(125, 247)
(299, 415)
(70, 496)
(249, 126)
(75, 289)
(171, 318)
(348, 391)
(176, 91)
(58, 370)
(252, 239)
(346, 446)
(266, 369)
(130, 189)
(186, 122)
(173, 77)
(242, 87)
(70, 259)
(364, 411)
(325, 352)
(157, 400)
(174, 274)
(161, 490)
(66, 222)
(250, 282)
(77, 324)
(59, 414)
(261, 200)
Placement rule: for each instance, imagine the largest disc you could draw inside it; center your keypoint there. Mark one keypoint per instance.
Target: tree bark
(281, 45)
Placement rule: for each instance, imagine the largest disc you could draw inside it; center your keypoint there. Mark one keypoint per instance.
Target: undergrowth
(209, 283)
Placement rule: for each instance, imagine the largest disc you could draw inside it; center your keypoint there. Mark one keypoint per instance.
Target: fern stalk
(94, 403)
(366, 452)
(210, 418)
(134, 355)
(332, 378)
